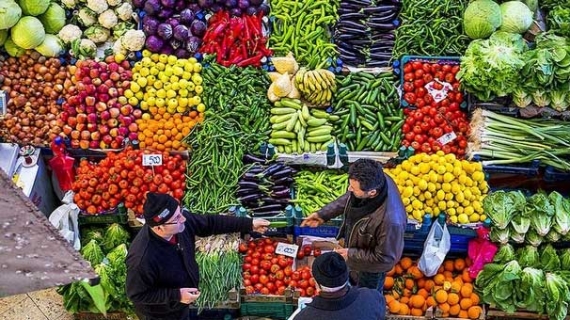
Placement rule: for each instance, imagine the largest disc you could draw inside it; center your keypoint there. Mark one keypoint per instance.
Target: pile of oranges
(450, 291)
(164, 131)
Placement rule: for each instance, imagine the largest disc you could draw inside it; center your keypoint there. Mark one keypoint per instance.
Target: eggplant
(246, 192)
(269, 207)
(380, 8)
(249, 158)
(385, 26)
(250, 176)
(248, 185)
(250, 198)
(283, 173)
(272, 169)
(283, 181)
(269, 200)
(281, 194)
(256, 168)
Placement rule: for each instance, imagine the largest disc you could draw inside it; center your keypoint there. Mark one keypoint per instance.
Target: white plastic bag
(64, 218)
(436, 247)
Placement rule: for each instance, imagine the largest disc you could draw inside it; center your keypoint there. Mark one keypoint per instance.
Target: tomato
(426, 67)
(416, 145)
(455, 69)
(265, 265)
(408, 77)
(310, 291)
(271, 286)
(254, 278)
(420, 103)
(424, 126)
(408, 87)
(296, 276)
(408, 68)
(300, 255)
(435, 68)
(167, 179)
(254, 269)
(316, 252)
(281, 290)
(459, 97)
(249, 290)
(303, 284)
(256, 255)
(437, 132)
(417, 129)
(274, 268)
(123, 184)
(282, 262)
(263, 279)
(157, 179)
(258, 287)
(267, 256)
(418, 74)
(417, 65)
(312, 282)
(178, 194)
(446, 68)
(307, 249)
(306, 275)
(437, 86)
(264, 291)
(246, 266)
(293, 283)
(243, 248)
(280, 275)
(268, 249)
(462, 144)
(427, 78)
(410, 97)
(288, 271)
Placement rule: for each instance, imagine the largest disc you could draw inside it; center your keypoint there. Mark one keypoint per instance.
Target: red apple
(126, 109)
(81, 127)
(90, 109)
(94, 144)
(113, 92)
(103, 129)
(72, 121)
(92, 118)
(115, 145)
(119, 140)
(107, 139)
(95, 135)
(133, 127)
(137, 113)
(67, 130)
(113, 123)
(81, 118)
(90, 101)
(85, 135)
(105, 115)
(74, 143)
(133, 136)
(75, 135)
(92, 127)
(84, 144)
(101, 106)
(114, 132)
(114, 112)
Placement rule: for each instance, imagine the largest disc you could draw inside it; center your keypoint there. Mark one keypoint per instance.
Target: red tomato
(254, 269)
(281, 290)
(306, 275)
(243, 248)
(310, 291)
(274, 268)
(258, 287)
(300, 254)
(254, 279)
(296, 276)
(288, 271)
(279, 274)
(303, 284)
(410, 97)
(247, 282)
(263, 279)
(316, 252)
(265, 265)
(268, 249)
(249, 290)
(282, 262)
(408, 87)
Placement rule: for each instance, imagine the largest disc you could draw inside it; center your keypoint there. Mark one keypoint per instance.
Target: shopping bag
(481, 251)
(436, 247)
(64, 218)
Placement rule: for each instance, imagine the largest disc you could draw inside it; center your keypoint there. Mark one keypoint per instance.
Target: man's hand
(189, 295)
(312, 221)
(343, 252)
(260, 225)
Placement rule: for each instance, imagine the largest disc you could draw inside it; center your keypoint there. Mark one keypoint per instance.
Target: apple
(114, 112)
(75, 135)
(67, 130)
(93, 73)
(94, 144)
(90, 100)
(133, 127)
(90, 109)
(126, 121)
(81, 118)
(92, 118)
(119, 140)
(114, 132)
(103, 145)
(114, 76)
(133, 136)
(113, 92)
(85, 135)
(72, 121)
(103, 129)
(84, 144)
(92, 127)
(90, 89)
(81, 127)
(95, 135)
(113, 123)
(137, 113)
(96, 81)
(123, 131)
(101, 106)
(104, 76)
(126, 109)
(74, 143)
(113, 67)
(115, 145)
(107, 139)
(105, 115)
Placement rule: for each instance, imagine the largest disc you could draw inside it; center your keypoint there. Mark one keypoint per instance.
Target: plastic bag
(481, 251)
(436, 247)
(64, 218)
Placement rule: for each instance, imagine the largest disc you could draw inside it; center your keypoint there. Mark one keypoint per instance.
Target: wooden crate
(431, 315)
(519, 314)
(290, 297)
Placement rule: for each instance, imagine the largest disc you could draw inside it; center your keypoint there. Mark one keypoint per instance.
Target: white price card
(3, 102)
(438, 94)
(152, 160)
(447, 138)
(286, 249)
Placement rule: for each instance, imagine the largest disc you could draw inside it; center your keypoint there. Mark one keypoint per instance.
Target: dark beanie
(330, 270)
(158, 208)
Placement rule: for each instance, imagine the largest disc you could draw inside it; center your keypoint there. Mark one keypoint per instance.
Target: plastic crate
(553, 175)
(104, 218)
(425, 59)
(273, 310)
(530, 170)
(320, 231)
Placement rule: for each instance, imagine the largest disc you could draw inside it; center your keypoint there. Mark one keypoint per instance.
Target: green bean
(315, 190)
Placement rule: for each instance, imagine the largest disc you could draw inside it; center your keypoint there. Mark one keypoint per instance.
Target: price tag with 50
(152, 160)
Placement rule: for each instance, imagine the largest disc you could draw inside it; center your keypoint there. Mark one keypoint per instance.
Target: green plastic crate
(274, 310)
(106, 218)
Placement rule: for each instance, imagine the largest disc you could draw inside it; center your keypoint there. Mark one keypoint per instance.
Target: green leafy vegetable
(502, 206)
(33, 7)
(565, 259)
(499, 236)
(516, 16)
(10, 13)
(114, 235)
(531, 290)
(505, 254)
(558, 20)
(541, 212)
(557, 296)
(481, 18)
(561, 223)
(533, 238)
(92, 252)
(549, 260)
(28, 33)
(52, 46)
(53, 19)
(528, 256)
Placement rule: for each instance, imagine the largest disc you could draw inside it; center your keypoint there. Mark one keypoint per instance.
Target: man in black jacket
(337, 300)
(374, 223)
(162, 273)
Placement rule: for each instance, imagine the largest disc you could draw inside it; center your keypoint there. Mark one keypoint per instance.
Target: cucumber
(282, 110)
(320, 114)
(277, 224)
(279, 126)
(280, 141)
(316, 122)
(311, 129)
(283, 134)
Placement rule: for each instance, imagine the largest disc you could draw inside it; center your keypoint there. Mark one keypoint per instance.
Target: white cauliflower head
(118, 48)
(113, 3)
(108, 19)
(97, 5)
(87, 17)
(125, 11)
(70, 4)
(97, 34)
(133, 40)
(69, 33)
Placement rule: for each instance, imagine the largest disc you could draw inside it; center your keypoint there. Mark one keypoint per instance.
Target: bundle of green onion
(507, 140)
(220, 268)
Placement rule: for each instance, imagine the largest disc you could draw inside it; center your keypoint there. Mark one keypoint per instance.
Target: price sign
(3, 103)
(447, 138)
(152, 160)
(440, 92)
(285, 249)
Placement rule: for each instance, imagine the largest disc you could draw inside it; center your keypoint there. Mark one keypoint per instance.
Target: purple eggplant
(286, 193)
(248, 185)
(164, 31)
(255, 2)
(230, 4)
(286, 172)
(173, 22)
(181, 53)
(152, 7)
(268, 207)
(249, 158)
(272, 169)
(186, 16)
(154, 43)
(181, 32)
(235, 12)
(180, 5)
(269, 200)
(206, 4)
(250, 198)
(284, 181)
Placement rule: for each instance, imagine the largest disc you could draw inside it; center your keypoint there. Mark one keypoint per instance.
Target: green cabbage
(528, 256)
(92, 252)
(481, 19)
(12, 49)
(549, 260)
(531, 4)
(516, 17)
(3, 36)
(92, 233)
(53, 19)
(28, 33)
(51, 47)
(34, 7)
(505, 254)
(115, 235)
(10, 13)
(552, 236)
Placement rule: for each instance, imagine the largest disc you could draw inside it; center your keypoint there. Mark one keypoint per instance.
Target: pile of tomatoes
(265, 272)
(120, 177)
(428, 117)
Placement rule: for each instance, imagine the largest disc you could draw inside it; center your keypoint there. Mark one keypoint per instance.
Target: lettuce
(561, 223)
(528, 256)
(533, 238)
(540, 211)
(520, 224)
(114, 235)
(502, 206)
(92, 252)
(549, 260)
(499, 236)
(565, 259)
(531, 290)
(505, 254)
(552, 236)
(557, 296)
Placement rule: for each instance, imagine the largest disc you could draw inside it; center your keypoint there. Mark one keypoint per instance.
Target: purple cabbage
(206, 4)
(167, 50)
(138, 3)
(216, 8)
(198, 28)
(166, 13)
(175, 44)
(255, 2)
(180, 5)
(181, 53)
(193, 44)
(164, 31)
(194, 7)
(235, 12)
(186, 16)
(152, 7)
(181, 32)
(150, 25)
(168, 3)
(173, 21)
(243, 4)
(154, 43)
(231, 3)
(251, 11)
(264, 8)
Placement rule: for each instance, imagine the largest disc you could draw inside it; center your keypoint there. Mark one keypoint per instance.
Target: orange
(441, 296)
(466, 290)
(410, 284)
(429, 285)
(454, 310)
(404, 310)
(391, 272)
(423, 292)
(466, 303)
(407, 293)
(448, 265)
(474, 312)
(439, 279)
(406, 263)
(388, 283)
(418, 301)
(421, 282)
(430, 301)
(389, 298)
(417, 312)
(456, 286)
(415, 272)
(459, 264)
(452, 298)
(404, 300)
(465, 276)
(475, 298)
(463, 314)
(394, 307)
(444, 307)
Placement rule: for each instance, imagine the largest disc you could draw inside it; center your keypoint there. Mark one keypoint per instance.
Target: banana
(299, 75)
(322, 78)
(308, 83)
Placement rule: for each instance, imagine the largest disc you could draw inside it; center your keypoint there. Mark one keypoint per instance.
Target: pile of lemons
(441, 183)
(163, 81)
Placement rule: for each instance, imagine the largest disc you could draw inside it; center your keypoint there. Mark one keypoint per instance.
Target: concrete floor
(38, 305)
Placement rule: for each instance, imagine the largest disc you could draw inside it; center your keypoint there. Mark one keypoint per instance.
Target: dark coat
(157, 269)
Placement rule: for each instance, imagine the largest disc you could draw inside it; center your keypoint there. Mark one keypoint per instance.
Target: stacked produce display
(223, 94)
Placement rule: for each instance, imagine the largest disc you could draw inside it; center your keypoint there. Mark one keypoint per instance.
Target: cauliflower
(125, 11)
(70, 4)
(69, 33)
(87, 17)
(113, 3)
(121, 28)
(118, 48)
(97, 34)
(133, 40)
(108, 19)
(83, 48)
(97, 5)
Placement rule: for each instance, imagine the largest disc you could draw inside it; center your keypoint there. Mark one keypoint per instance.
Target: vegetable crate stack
(530, 270)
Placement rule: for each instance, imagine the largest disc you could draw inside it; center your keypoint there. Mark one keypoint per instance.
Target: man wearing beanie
(337, 300)
(162, 273)
(374, 223)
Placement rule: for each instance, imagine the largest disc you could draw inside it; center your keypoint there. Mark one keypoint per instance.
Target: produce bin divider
(289, 297)
(552, 175)
(382, 157)
(531, 169)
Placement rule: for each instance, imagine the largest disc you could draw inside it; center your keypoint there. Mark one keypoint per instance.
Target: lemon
(440, 195)
(135, 87)
(142, 81)
(467, 194)
(451, 211)
(146, 53)
(180, 109)
(197, 67)
(446, 187)
(451, 204)
(171, 59)
(453, 219)
(449, 196)
(482, 217)
(199, 89)
(128, 93)
(469, 210)
(474, 218)
(417, 215)
(430, 203)
(160, 102)
(455, 188)
(449, 167)
(415, 170)
(478, 176)
(422, 184)
(144, 107)
(408, 191)
(421, 198)
(440, 169)
(403, 176)
(154, 57)
(406, 165)
(427, 195)
(450, 157)
(448, 177)
(406, 201)
(409, 208)
(426, 158)
(197, 79)
(459, 197)
(139, 95)
(442, 205)
(431, 187)
(417, 190)
(459, 210)
(463, 218)
(416, 204)
(170, 93)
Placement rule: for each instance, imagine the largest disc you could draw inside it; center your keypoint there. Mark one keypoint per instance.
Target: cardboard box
(324, 244)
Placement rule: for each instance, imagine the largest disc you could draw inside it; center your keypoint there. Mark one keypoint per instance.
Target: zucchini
(280, 118)
(282, 110)
(316, 122)
(321, 139)
(320, 132)
(280, 141)
(283, 134)
(291, 103)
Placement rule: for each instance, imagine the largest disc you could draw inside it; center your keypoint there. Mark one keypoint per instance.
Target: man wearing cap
(374, 223)
(336, 298)
(162, 273)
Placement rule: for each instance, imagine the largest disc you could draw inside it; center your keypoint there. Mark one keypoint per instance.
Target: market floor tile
(39, 305)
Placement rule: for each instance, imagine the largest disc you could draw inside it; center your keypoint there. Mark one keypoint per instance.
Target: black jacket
(358, 303)
(377, 240)
(157, 269)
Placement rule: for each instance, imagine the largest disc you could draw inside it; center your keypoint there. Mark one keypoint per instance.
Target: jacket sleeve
(335, 208)
(207, 225)
(385, 254)
(141, 288)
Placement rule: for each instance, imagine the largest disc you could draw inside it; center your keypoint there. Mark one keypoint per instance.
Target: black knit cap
(330, 270)
(158, 208)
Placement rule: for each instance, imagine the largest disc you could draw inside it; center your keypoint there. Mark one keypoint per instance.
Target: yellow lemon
(453, 219)
(422, 184)
(171, 59)
(408, 192)
(469, 210)
(197, 67)
(440, 195)
(463, 218)
(146, 53)
(474, 218)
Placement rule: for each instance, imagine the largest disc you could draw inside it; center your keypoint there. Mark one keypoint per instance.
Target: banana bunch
(316, 86)
(296, 129)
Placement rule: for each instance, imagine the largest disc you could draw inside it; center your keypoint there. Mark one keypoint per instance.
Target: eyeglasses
(179, 218)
